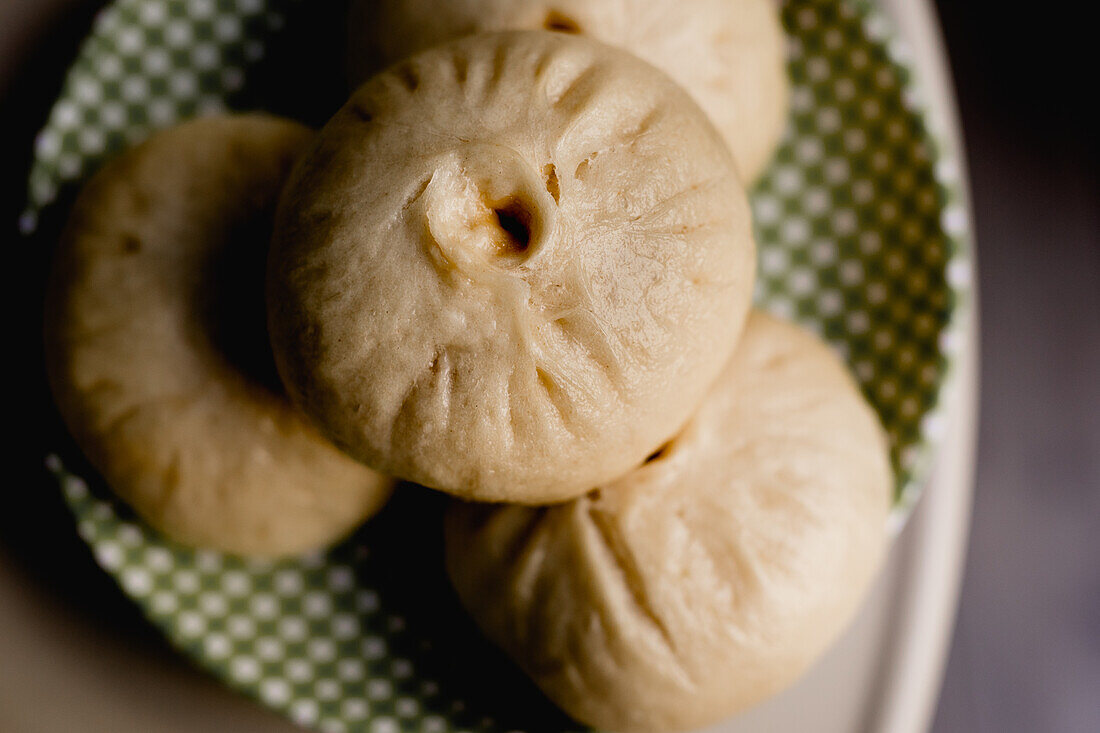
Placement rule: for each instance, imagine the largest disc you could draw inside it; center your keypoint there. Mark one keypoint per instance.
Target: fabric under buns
(510, 267)
(158, 352)
(728, 54)
(711, 576)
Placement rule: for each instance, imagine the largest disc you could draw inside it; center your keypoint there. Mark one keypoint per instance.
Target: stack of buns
(515, 267)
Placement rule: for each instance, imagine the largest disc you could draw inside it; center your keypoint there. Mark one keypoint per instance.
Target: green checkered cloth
(863, 238)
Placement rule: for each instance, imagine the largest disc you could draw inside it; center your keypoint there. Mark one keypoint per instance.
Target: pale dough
(730, 55)
(158, 353)
(510, 267)
(708, 578)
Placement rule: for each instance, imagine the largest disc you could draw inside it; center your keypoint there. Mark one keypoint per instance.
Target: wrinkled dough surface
(510, 267)
(708, 578)
(728, 54)
(158, 352)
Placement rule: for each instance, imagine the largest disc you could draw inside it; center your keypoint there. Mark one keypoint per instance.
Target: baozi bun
(158, 354)
(730, 55)
(510, 267)
(711, 576)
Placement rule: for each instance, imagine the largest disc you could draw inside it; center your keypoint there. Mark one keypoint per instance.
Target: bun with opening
(708, 578)
(728, 54)
(510, 267)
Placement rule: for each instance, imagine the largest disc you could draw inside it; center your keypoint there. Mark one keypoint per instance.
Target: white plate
(63, 672)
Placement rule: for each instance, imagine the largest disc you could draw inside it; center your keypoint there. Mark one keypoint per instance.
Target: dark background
(1026, 652)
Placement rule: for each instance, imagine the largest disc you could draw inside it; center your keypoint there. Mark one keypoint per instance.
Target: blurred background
(1026, 649)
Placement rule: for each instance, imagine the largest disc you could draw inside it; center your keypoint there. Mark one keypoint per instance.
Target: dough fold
(708, 578)
(158, 354)
(510, 267)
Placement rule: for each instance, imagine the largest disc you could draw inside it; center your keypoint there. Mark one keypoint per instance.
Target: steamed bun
(711, 576)
(510, 267)
(158, 355)
(728, 54)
